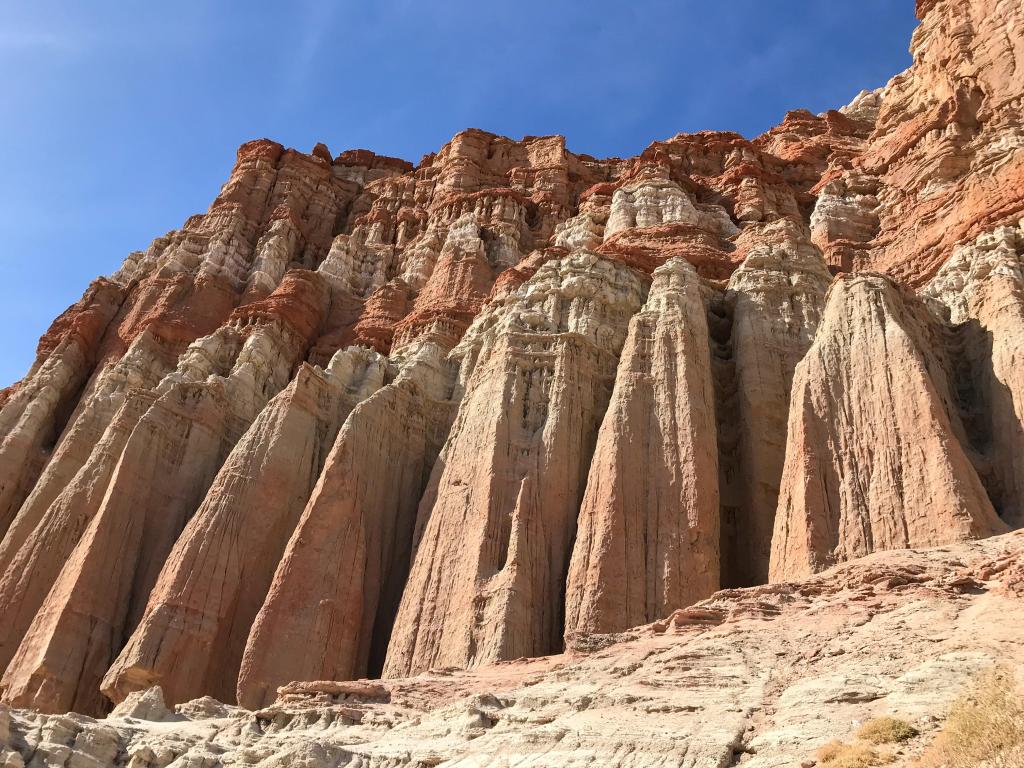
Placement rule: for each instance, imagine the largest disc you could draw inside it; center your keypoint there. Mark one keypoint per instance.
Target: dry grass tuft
(984, 727)
(836, 754)
(886, 730)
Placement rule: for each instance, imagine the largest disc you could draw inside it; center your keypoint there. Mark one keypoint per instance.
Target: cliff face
(648, 531)
(363, 418)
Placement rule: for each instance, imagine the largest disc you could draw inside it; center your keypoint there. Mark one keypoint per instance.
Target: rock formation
(499, 514)
(983, 286)
(944, 157)
(648, 525)
(336, 590)
(202, 606)
(164, 470)
(764, 326)
(31, 419)
(368, 418)
(756, 677)
(875, 458)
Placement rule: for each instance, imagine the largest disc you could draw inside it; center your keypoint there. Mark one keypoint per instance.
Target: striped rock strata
(367, 418)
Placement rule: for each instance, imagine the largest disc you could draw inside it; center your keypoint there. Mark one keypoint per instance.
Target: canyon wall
(368, 419)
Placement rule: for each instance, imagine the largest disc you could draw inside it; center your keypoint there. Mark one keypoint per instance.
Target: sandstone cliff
(648, 525)
(983, 286)
(499, 514)
(200, 610)
(875, 458)
(363, 418)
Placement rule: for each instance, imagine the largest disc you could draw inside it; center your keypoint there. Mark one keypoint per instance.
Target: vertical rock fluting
(79, 626)
(774, 299)
(70, 491)
(875, 457)
(335, 592)
(192, 635)
(230, 455)
(31, 419)
(154, 328)
(161, 315)
(32, 565)
(982, 285)
(143, 365)
(648, 530)
(184, 286)
(329, 610)
(161, 476)
(499, 515)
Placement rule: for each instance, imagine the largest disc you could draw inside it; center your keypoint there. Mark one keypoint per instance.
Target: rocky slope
(759, 677)
(369, 419)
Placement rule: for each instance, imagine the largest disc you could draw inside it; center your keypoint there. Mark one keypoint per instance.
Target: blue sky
(120, 118)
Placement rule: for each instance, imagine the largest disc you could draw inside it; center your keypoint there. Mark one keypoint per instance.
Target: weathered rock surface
(499, 514)
(336, 590)
(31, 419)
(982, 284)
(648, 536)
(363, 417)
(946, 151)
(163, 473)
(762, 327)
(759, 677)
(875, 458)
(195, 626)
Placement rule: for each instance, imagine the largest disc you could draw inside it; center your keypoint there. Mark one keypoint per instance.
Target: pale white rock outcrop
(762, 328)
(982, 285)
(875, 457)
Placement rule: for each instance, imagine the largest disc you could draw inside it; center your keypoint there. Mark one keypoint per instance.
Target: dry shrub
(836, 754)
(886, 730)
(985, 727)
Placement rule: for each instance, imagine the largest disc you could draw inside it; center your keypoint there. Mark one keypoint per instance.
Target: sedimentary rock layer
(499, 514)
(199, 613)
(983, 286)
(875, 458)
(364, 416)
(648, 534)
(336, 590)
(771, 310)
(31, 419)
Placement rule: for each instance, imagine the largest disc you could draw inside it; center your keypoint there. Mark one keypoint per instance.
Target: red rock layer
(944, 161)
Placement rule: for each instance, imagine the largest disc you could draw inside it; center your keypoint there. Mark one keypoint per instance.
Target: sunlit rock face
(874, 395)
(648, 527)
(365, 419)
